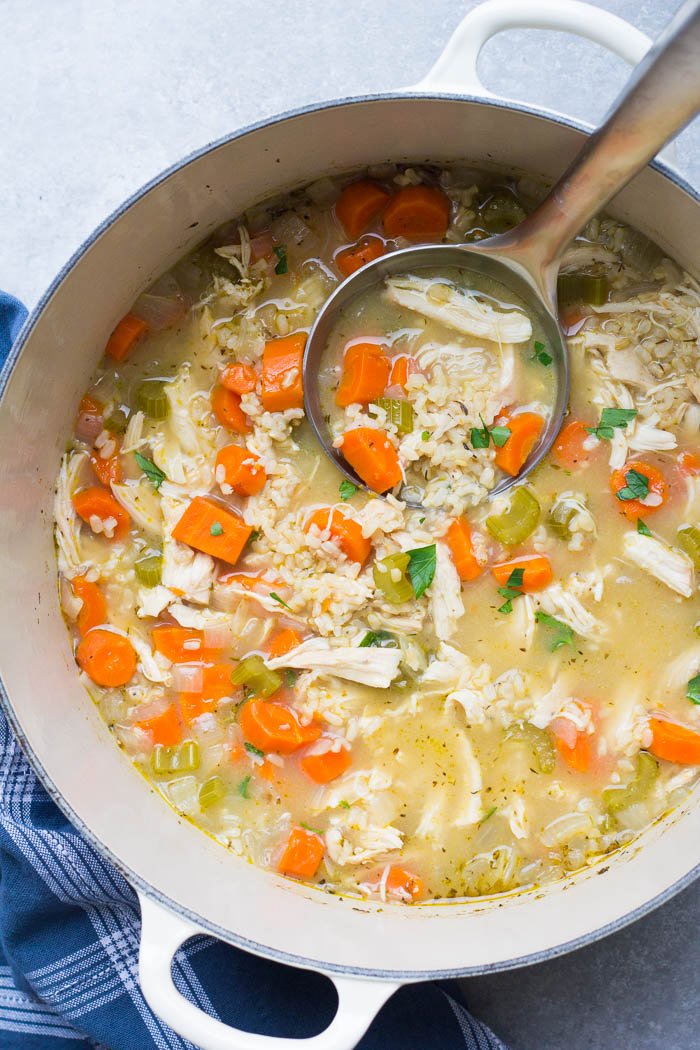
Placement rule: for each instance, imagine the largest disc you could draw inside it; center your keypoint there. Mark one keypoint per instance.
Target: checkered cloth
(69, 936)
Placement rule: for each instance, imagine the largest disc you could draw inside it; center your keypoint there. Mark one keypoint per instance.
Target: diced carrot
(674, 742)
(365, 375)
(402, 367)
(107, 470)
(216, 683)
(358, 205)
(353, 258)
(178, 644)
(689, 463)
(569, 447)
(346, 532)
(164, 728)
(459, 540)
(401, 883)
(261, 246)
(243, 471)
(213, 529)
(577, 752)
(93, 611)
(418, 213)
(525, 429)
(373, 457)
(241, 379)
(282, 385)
(326, 766)
(272, 727)
(226, 406)
(302, 855)
(283, 643)
(101, 504)
(267, 770)
(90, 406)
(126, 335)
(537, 572)
(108, 658)
(634, 508)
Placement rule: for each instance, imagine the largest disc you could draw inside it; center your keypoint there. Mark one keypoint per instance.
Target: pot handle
(163, 932)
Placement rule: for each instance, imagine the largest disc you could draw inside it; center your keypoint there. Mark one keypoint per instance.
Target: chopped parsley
(154, 474)
(281, 253)
(290, 676)
(541, 354)
(255, 535)
(563, 634)
(612, 419)
(499, 436)
(344, 804)
(347, 490)
(242, 788)
(693, 689)
(425, 436)
(307, 827)
(487, 814)
(253, 750)
(278, 599)
(379, 640)
(513, 589)
(637, 487)
(480, 437)
(421, 568)
(216, 529)
(643, 529)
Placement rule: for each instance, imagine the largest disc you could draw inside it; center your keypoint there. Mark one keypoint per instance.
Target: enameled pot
(367, 949)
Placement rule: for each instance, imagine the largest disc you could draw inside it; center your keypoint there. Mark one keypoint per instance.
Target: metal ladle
(662, 95)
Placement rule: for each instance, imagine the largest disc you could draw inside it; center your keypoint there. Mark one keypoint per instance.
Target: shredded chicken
(368, 666)
(142, 505)
(67, 523)
(445, 595)
(670, 566)
(459, 310)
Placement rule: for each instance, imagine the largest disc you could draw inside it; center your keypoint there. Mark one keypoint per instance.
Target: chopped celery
(638, 251)
(177, 759)
(559, 518)
(617, 798)
(392, 579)
(151, 399)
(538, 739)
(398, 411)
(501, 212)
(253, 673)
(689, 540)
(514, 525)
(211, 792)
(582, 288)
(148, 570)
(117, 422)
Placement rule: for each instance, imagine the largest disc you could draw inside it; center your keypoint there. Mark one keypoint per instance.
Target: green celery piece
(148, 570)
(398, 411)
(151, 399)
(180, 758)
(395, 591)
(538, 739)
(117, 422)
(618, 798)
(501, 212)
(211, 792)
(689, 541)
(582, 288)
(518, 522)
(253, 673)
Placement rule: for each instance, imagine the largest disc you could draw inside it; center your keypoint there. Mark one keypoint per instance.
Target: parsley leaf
(693, 689)
(425, 436)
(281, 253)
(541, 354)
(480, 437)
(216, 529)
(290, 676)
(154, 474)
(242, 788)
(379, 640)
(643, 529)
(347, 490)
(253, 750)
(516, 578)
(637, 486)
(344, 804)
(487, 814)
(500, 435)
(308, 828)
(563, 633)
(278, 599)
(612, 419)
(513, 589)
(421, 568)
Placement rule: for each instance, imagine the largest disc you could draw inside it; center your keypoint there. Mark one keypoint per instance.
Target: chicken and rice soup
(420, 691)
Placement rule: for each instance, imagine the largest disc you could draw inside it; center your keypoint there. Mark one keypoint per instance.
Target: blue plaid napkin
(69, 934)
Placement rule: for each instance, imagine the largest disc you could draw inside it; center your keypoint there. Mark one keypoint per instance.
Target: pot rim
(135, 880)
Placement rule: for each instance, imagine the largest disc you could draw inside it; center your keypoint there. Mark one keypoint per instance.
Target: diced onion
(324, 191)
(566, 827)
(217, 636)
(187, 678)
(158, 312)
(289, 229)
(70, 602)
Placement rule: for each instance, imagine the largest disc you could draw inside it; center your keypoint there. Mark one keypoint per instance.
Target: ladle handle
(662, 95)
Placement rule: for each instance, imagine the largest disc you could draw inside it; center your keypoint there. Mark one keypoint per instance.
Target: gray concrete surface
(98, 97)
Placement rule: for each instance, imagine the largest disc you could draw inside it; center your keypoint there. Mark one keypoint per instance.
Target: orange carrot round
(355, 256)
(634, 508)
(93, 611)
(417, 213)
(302, 855)
(689, 463)
(272, 727)
(401, 883)
(326, 766)
(569, 447)
(402, 367)
(282, 383)
(130, 331)
(242, 469)
(108, 658)
(99, 503)
(226, 406)
(373, 457)
(182, 645)
(358, 205)
(537, 572)
(674, 742)
(525, 429)
(107, 470)
(239, 378)
(284, 642)
(164, 728)
(459, 540)
(365, 375)
(346, 532)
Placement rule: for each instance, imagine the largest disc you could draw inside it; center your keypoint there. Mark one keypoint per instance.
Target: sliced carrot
(402, 367)
(126, 335)
(282, 386)
(302, 855)
(267, 770)
(537, 572)
(400, 883)
(272, 727)
(525, 429)
(674, 742)
(210, 528)
(107, 470)
(373, 457)
(99, 503)
(459, 540)
(689, 463)
(346, 532)
(93, 611)
(326, 766)
(569, 447)
(261, 246)
(634, 508)
(178, 644)
(242, 469)
(226, 406)
(216, 683)
(365, 374)
(578, 755)
(163, 729)
(90, 405)
(283, 643)
(358, 205)
(108, 658)
(241, 379)
(417, 213)
(353, 258)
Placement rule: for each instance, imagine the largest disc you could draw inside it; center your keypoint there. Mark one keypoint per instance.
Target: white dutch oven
(186, 881)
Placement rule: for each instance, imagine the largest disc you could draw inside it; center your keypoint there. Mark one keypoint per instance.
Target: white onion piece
(88, 426)
(566, 827)
(70, 602)
(187, 678)
(217, 636)
(166, 286)
(394, 391)
(289, 229)
(324, 191)
(565, 730)
(158, 312)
